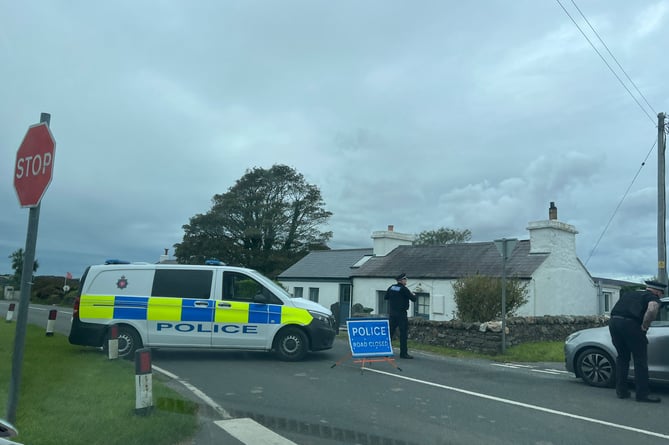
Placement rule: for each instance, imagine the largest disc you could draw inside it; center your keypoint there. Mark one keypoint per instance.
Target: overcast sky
(466, 115)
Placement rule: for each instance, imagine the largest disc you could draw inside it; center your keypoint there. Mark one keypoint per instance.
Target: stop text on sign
(33, 165)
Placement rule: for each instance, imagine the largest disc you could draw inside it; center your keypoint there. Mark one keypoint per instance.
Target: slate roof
(325, 264)
(452, 261)
(613, 282)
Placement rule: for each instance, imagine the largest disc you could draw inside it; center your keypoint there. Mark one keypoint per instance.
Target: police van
(195, 306)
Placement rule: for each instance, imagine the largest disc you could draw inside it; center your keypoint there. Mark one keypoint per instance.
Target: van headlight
(323, 318)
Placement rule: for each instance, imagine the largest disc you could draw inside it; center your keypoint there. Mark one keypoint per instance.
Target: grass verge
(528, 352)
(72, 395)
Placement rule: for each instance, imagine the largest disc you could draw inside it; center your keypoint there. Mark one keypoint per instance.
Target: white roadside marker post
(112, 343)
(143, 382)
(53, 313)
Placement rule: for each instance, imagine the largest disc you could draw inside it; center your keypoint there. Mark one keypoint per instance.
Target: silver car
(590, 354)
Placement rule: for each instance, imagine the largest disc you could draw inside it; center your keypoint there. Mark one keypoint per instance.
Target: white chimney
(385, 241)
(165, 257)
(552, 236)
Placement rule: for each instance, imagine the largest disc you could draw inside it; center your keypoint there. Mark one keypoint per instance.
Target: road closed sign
(369, 337)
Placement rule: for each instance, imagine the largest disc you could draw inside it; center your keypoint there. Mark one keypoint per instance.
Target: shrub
(478, 298)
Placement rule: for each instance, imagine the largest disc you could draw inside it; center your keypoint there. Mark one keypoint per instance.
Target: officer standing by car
(398, 296)
(630, 320)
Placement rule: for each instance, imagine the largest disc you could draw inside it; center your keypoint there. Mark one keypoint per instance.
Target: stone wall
(486, 338)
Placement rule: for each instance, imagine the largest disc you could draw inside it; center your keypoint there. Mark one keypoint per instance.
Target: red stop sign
(34, 165)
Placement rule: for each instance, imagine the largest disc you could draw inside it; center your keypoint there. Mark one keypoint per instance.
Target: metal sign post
(505, 248)
(31, 178)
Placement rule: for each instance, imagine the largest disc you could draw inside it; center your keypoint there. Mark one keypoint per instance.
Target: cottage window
(607, 302)
(297, 292)
(381, 302)
(313, 294)
(422, 305)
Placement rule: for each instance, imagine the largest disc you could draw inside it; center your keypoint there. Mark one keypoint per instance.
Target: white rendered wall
(440, 291)
(328, 293)
(561, 285)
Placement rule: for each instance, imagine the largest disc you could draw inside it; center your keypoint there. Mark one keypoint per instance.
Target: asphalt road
(432, 400)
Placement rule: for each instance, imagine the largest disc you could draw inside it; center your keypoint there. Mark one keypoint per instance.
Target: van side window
(240, 287)
(179, 283)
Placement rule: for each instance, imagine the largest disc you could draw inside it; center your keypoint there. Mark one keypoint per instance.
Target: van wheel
(128, 342)
(291, 344)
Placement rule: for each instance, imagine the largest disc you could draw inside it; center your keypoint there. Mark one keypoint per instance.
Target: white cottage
(558, 283)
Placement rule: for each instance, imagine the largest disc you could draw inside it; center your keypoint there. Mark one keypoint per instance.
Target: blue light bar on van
(214, 262)
(113, 261)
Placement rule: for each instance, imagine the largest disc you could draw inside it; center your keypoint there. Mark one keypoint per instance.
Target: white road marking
(531, 368)
(245, 430)
(201, 395)
(519, 365)
(44, 309)
(549, 371)
(523, 405)
(505, 365)
(252, 433)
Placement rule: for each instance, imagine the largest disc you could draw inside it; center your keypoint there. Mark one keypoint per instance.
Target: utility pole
(661, 202)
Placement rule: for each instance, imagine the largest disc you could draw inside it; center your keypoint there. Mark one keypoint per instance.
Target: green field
(73, 395)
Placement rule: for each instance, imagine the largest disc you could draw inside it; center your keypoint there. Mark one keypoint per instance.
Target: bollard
(51, 322)
(112, 344)
(143, 382)
(10, 312)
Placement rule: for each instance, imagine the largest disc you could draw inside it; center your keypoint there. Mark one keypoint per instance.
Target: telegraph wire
(615, 211)
(607, 63)
(613, 57)
(620, 203)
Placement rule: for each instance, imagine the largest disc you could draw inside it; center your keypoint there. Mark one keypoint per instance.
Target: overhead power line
(620, 203)
(605, 61)
(643, 109)
(613, 57)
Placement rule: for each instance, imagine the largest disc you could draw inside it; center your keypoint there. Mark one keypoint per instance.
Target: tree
(268, 220)
(17, 266)
(442, 236)
(478, 298)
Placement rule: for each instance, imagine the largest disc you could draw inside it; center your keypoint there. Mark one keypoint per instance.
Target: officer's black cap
(656, 285)
(401, 277)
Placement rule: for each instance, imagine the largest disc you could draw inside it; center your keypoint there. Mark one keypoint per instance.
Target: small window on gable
(313, 294)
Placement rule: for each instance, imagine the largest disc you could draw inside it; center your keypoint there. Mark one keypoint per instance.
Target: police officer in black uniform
(630, 319)
(398, 296)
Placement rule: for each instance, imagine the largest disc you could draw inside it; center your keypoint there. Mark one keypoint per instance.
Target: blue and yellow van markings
(125, 307)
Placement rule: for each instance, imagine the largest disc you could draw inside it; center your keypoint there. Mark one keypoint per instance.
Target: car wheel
(291, 344)
(596, 368)
(128, 342)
